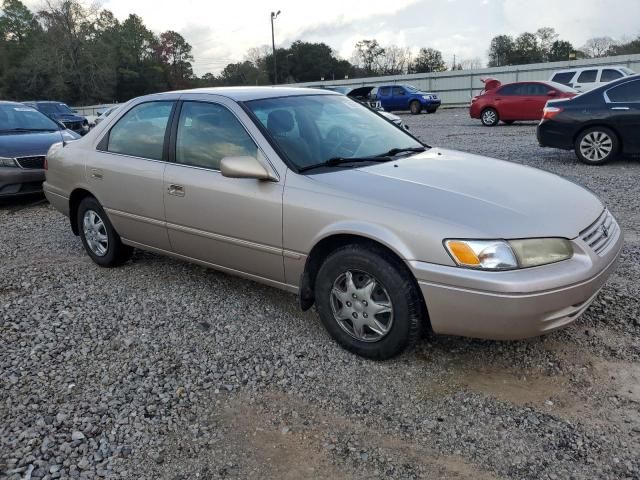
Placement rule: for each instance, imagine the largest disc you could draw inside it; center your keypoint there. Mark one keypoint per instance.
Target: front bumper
(515, 304)
(16, 181)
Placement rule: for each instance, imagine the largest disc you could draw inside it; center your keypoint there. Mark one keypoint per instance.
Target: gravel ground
(162, 369)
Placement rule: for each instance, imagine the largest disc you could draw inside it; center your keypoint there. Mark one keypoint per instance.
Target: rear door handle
(177, 190)
(96, 173)
(620, 108)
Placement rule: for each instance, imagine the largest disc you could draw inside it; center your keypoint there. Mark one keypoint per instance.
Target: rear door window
(141, 131)
(609, 75)
(588, 76)
(563, 77)
(626, 93)
(510, 90)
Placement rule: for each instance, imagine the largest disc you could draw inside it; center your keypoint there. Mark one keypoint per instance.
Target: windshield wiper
(28, 130)
(335, 161)
(395, 151)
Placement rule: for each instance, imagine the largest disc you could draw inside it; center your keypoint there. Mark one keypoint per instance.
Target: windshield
(51, 108)
(411, 88)
(21, 117)
(628, 71)
(562, 87)
(312, 129)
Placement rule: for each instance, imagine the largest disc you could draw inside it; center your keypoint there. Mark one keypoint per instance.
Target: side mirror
(244, 167)
(552, 93)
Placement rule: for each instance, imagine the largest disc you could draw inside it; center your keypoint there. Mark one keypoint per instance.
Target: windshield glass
(562, 88)
(628, 71)
(411, 88)
(14, 116)
(315, 128)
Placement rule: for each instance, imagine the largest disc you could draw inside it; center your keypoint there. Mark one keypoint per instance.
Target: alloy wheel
(596, 146)
(489, 117)
(95, 233)
(361, 306)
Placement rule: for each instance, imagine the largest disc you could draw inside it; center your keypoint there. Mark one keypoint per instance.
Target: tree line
(76, 52)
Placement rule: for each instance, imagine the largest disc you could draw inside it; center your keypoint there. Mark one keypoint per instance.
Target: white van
(587, 78)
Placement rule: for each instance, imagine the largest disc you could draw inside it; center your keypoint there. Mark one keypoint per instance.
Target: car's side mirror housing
(244, 167)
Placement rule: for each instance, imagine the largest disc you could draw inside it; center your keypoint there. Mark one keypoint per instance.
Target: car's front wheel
(490, 117)
(596, 145)
(368, 302)
(98, 236)
(415, 107)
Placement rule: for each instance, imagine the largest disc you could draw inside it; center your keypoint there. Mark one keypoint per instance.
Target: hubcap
(596, 146)
(361, 306)
(489, 116)
(95, 233)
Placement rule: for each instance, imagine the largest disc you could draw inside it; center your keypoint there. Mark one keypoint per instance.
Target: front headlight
(428, 97)
(7, 162)
(508, 255)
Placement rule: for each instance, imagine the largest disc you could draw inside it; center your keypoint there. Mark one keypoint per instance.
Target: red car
(515, 101)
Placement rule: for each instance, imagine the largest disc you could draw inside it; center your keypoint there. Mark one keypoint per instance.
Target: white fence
(458, 87)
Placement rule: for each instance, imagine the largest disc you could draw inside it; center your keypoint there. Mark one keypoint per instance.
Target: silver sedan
(311, 192)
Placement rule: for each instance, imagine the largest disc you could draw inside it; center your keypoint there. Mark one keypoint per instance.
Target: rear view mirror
(244, 167)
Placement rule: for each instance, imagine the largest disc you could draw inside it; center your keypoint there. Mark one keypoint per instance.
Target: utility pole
(274, 15)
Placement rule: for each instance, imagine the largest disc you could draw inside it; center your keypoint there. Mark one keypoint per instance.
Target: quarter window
(609, 75)
(628, 92)
(588, 76)
(208, 132)
(564, 77)
(140, 132)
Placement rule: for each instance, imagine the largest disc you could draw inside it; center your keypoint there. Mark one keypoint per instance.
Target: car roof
(9, 102)
(241, 94)
(594, 67)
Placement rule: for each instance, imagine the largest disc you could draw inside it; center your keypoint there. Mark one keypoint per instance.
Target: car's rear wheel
(596, 145)
(99, 238)
(368, 302)
(415, 107)
(490, 117)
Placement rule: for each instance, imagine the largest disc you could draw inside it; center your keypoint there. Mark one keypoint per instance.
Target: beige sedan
(311, 192)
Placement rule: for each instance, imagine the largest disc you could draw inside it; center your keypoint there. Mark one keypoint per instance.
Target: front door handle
(96, 173)
(177, 190)
(620, 108)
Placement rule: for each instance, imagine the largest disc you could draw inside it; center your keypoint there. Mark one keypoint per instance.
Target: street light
(274, 15)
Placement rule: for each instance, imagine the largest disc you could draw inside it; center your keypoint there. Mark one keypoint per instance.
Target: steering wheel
(346, 143)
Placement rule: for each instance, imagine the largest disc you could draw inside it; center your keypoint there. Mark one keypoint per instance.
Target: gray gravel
(162, 369)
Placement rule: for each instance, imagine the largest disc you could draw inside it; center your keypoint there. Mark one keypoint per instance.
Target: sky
(222, 31)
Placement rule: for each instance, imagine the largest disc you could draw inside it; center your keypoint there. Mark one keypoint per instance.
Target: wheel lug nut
(364, 302)
(365, 315)
(355, 315)
(348, 304)
(354, 296)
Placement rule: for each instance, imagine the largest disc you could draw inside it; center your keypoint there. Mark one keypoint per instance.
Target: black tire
(604, 142)
(508, 122)
(490, 117)
(415, 107)
(116, 253)
(409, 317)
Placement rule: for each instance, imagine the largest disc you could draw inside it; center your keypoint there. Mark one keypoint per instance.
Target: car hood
(32, 144)
(473, 195)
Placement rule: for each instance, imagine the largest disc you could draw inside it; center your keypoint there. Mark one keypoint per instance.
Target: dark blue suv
(407, 97)
(61, 112)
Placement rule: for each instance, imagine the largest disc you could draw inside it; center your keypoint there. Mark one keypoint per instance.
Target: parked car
(597, 125)
(313, 193)
(363, 95)
(25, 138)
(407, 97)
(515, 101)
(60, 112)
(587, 78)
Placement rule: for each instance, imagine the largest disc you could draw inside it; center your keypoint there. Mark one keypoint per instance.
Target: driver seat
(281, 124)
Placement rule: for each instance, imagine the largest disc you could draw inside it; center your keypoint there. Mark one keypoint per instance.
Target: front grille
(36, 162)
(601, 233)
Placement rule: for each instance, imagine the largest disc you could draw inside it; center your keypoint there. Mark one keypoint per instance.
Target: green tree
(174, 51)
(560, 50)
(428, 60)
(501, 51)
(629, 48)
(367, 56)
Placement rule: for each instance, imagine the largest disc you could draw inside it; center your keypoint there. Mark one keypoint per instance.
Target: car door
(126, 171)
(538, 95)
(609, 75)
(587, 80)
(400, 98)
(508, 102)
(229, 223)
(623, 101)
(384, 95)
